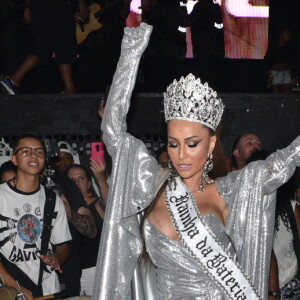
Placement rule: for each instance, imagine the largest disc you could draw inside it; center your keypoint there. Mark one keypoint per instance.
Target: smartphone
(98, 150)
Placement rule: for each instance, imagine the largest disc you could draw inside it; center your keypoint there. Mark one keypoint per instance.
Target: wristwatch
(275, 294)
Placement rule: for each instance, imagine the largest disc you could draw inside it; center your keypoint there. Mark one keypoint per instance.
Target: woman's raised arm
(114, 125)
(281, 165)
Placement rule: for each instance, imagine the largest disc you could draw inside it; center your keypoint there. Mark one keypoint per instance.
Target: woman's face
(79, 177)
(189, 145)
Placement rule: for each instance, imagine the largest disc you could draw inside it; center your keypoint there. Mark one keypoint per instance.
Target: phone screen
(98, 150)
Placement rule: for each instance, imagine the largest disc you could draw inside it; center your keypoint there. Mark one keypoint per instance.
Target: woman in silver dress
(206, 239)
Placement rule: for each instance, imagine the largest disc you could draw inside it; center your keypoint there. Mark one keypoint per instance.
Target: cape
(136, 177)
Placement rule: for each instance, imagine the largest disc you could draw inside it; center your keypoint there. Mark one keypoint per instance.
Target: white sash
(203, 246)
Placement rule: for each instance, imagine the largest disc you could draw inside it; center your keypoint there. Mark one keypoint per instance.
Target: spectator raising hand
(98, 168)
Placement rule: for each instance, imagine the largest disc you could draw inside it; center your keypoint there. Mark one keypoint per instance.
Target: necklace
(14, 180)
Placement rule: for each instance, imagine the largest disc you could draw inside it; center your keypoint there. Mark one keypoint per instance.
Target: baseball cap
(65, 147)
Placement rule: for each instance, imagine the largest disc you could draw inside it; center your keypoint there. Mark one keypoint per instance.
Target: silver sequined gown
(135, 180)
(178, 275)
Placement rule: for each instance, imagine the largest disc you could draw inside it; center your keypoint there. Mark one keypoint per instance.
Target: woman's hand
(98, 168)
(136, 38)
(52, 261)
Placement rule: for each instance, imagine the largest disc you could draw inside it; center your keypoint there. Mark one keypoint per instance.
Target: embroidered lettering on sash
(203, 245)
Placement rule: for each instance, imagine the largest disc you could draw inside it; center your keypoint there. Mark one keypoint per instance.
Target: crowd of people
(35, 33)
(174, 26)
(197, 223)
(82, 219)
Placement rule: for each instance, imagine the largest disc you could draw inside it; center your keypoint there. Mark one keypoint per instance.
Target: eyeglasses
(28, 151)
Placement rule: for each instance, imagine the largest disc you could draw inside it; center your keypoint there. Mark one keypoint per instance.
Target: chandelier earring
(172, 174)
(204, 177)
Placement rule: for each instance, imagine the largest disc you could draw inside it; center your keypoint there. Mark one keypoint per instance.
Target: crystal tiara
(190, 100)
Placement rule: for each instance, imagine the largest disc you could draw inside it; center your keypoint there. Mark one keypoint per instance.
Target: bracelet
(275, 294)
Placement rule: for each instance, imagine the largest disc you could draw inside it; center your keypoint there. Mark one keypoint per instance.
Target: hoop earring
(172, 174)
(204, 177)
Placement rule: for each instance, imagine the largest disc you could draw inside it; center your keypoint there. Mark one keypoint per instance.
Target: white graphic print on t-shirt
(21, 225)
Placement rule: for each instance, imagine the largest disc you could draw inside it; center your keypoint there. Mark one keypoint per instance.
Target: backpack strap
(47, 228)
(22, 278)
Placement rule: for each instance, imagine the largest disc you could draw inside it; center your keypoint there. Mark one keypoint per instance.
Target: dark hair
(88, 174)
(221, 168)
(236, 145)
(222, 162)
(274, 37)
(284, 208)
(160, 150)
(28, 135)
(86, 170)
(5, 167)
(236, 142)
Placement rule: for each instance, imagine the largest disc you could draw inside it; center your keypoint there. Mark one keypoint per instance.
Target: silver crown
(188, 99)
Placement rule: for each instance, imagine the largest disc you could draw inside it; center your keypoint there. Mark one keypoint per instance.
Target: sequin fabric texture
(136, 177)
(178, 275)
(291, 290)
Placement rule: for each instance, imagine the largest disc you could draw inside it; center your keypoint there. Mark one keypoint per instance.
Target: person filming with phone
(89, 247)
(82, 177)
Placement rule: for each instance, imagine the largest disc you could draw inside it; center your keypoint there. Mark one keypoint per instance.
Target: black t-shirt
(207, 30)
(279, 54)
(88, 249)
(166, 40)
(72, 268)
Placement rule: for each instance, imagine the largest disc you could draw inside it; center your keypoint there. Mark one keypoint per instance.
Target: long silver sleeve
(114, 125)
(281, 165)
(250, 195)
(134, 178)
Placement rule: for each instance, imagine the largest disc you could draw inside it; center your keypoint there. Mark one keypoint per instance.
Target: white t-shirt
(21, 224)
